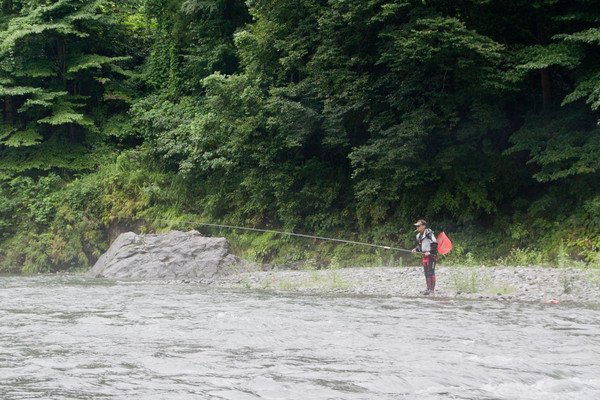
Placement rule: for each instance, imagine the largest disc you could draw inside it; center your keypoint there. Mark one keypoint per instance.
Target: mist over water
(70, 337)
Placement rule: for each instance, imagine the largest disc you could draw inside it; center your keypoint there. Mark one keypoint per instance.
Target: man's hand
(427, 253)
(414, 250)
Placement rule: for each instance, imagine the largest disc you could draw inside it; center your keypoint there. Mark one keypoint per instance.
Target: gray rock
(171, 255)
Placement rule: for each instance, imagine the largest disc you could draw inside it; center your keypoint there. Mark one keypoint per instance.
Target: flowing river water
(71, 337)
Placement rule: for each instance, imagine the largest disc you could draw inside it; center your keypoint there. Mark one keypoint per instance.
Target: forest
(340, 118)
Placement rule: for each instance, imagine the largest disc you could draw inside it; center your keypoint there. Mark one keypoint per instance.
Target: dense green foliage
(59, 60)
(340, 117)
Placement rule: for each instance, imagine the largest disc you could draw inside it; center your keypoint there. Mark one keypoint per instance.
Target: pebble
(528, 284)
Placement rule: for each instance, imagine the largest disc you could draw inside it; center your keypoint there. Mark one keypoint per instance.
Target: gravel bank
(530, 284)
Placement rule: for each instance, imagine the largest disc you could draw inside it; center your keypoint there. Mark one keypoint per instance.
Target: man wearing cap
(427, 245)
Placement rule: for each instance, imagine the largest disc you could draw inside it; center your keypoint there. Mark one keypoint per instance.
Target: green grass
(287, 285)
(469, 279)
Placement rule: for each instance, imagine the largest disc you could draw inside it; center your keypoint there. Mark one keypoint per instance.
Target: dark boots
(429, 270)
(430, 284)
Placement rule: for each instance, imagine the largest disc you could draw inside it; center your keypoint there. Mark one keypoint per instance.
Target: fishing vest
(424, 241)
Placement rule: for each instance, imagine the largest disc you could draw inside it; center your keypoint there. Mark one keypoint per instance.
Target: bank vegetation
(340, 118)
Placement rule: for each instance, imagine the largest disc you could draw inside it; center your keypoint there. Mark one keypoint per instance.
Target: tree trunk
(546, 87)
(8, 111)
(545, 79)
(73, 134)
(61, 61)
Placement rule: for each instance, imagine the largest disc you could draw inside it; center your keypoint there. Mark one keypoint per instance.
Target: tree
(563, 143)
(192, 39)
(56, 62)
(438, 123)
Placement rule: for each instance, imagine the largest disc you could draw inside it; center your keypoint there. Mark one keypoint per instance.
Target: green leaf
(589, 36)
(28, 137)
(588, 87)
(540, 57)
(67, 116)
(54, 153)
(88, 61)
(40, 69)
(88, 12)
(8, 40)
(18, 90)
(42, 99)
(6, 130)
(64, 113)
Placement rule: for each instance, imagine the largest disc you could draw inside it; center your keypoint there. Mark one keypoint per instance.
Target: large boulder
(171, 255)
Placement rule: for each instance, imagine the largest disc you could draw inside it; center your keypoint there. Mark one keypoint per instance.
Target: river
(71, 337)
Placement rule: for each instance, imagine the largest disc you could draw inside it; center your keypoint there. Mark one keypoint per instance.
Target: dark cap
(421, 222)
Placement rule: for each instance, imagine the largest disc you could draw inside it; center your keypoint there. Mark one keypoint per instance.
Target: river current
(71, 337)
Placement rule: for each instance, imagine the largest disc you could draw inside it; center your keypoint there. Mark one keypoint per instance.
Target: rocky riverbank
(530, 284)
(191, 258)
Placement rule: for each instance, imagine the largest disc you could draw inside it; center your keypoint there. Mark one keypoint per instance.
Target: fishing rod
(280, 233)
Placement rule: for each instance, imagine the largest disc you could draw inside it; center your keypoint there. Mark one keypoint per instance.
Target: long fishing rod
(280, 233)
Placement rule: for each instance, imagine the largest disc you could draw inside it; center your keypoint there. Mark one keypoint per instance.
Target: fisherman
(427, 245)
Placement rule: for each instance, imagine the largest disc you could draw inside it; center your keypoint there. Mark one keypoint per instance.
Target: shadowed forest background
(340, 118)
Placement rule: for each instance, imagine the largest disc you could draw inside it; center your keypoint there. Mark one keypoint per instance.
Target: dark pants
(429, 269)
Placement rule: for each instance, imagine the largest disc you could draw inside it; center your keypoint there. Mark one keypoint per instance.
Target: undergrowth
(56, 223)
